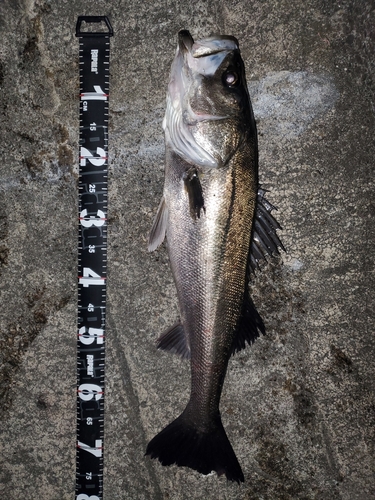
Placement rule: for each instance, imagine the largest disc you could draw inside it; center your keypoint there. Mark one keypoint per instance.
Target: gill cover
(193, 61)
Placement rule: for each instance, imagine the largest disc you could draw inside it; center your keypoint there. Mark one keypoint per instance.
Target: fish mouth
(207, 46)
(185, 41)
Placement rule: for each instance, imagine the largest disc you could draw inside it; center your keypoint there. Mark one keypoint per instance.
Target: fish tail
(184, 444)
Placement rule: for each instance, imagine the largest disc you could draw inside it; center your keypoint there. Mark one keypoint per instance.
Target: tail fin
(183, 444)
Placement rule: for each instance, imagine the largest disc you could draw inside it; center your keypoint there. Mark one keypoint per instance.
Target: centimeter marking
(92, 255)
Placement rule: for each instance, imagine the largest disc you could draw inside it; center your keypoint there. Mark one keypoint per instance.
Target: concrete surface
(299, 405)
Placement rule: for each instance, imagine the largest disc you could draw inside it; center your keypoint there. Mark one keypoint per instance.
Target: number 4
(90, 278)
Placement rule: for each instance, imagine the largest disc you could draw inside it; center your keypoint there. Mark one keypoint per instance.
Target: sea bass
(218, 226)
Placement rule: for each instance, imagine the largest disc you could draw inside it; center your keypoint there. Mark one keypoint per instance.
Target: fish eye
(231, 78)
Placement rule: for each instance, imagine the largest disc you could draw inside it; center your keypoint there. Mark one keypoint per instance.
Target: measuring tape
(92, 255)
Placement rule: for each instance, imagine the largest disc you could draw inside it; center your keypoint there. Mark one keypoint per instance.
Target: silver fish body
(207, 215)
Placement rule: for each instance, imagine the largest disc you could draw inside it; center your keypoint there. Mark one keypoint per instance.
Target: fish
(219, 227)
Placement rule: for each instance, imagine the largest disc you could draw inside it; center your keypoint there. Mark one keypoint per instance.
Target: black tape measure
(92, 253)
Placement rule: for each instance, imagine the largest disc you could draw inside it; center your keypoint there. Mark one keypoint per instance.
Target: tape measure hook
(96, 20)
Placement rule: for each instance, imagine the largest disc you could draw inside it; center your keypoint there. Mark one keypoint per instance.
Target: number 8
(83, 496)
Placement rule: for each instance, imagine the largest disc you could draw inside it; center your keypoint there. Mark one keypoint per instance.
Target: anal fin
(174, 340)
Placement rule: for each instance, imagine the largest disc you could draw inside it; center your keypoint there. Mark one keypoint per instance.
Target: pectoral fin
(195, 193)
(159, 227)
(265, 240)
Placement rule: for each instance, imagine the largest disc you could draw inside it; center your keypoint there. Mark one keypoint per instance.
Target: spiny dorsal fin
(264, 240)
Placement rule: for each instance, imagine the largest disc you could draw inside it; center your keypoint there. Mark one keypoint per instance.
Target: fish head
(208, 111)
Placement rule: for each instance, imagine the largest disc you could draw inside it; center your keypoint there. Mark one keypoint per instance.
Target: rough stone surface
(298, 406)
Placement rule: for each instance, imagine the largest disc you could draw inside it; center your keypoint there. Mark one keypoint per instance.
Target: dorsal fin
(264, 240)
(250, 325)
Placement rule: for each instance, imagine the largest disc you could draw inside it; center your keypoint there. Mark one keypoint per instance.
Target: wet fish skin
(207, 214)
